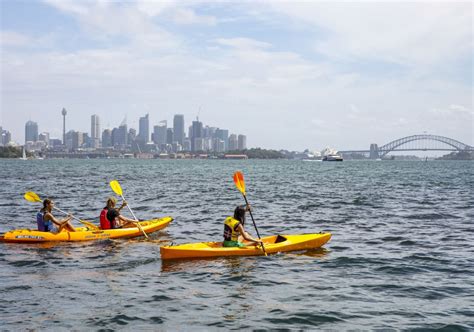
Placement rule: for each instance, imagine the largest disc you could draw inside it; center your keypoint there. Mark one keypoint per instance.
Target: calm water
(401, 256)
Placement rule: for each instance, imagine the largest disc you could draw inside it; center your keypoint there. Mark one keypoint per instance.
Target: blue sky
(288, 75)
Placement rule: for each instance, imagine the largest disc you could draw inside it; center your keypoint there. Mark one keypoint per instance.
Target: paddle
(31, 196)
(115, 185)
(240, 184)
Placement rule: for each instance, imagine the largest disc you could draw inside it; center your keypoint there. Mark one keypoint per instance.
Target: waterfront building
(77, 140)
(44, 137)
(187, 145)
(242, 142)
(5, 137)
(95, 131)
(199, 144)
(55, 143)
(233, 142)
(196, 133)
(144, 129)
(159, 133)
(31, 131)
(218, 145)
(169, 136)
(223, 134)
(120, 137)
(107, 138)
(178, 128)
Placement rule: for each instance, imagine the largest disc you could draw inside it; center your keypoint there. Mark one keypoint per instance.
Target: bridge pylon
(374, 151)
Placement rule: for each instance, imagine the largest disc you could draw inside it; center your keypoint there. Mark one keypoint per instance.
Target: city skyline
(289, 75)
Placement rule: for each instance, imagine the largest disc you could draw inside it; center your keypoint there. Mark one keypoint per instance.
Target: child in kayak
(110, 217)
(48, 223)
(234, 229)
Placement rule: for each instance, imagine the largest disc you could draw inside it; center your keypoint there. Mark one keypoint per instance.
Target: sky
(289, 75)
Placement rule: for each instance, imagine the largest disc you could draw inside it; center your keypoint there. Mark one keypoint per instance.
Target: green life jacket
(230, 229)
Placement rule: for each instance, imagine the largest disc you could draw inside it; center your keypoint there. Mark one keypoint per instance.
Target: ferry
(332, 157)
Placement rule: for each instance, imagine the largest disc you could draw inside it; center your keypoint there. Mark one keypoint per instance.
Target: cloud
(400, 32)
(12, 38)
(188, 16)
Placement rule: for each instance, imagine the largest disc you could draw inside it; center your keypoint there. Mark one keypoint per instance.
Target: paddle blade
(32, 197)
(239, 181)
(115, 185)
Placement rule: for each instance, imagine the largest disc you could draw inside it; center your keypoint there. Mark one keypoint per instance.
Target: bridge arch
(392, 146)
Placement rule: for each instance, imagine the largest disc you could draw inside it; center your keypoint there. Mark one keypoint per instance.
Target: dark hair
(239, 214)
(45, 203)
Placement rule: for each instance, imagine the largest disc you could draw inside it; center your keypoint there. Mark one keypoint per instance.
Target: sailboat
(24, 154)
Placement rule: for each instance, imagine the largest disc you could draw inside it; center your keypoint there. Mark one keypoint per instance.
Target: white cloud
(188, 16)
(401, 32)
(12, 38)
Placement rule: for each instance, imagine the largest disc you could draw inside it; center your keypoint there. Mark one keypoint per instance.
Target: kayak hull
(273, 244)
(84, 233)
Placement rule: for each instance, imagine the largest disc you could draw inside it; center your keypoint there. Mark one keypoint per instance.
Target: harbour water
(401, 256)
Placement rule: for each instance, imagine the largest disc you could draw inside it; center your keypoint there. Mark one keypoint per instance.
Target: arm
(246, 235)
(49, 216)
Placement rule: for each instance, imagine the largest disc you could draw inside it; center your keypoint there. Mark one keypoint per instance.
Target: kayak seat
(280, 239)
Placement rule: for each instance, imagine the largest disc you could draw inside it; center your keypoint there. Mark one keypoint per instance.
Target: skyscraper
(159, 133)
(144, 129)
(169, 136)
(107, 138)
(233, 142)
(242, 142)
(178, 128)
(223, 134)
(95, 131)
(197, 133)
(31, 131)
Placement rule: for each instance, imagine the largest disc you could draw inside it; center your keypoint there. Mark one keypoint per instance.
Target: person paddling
(47, 222)
(110, 217)
(234, 229)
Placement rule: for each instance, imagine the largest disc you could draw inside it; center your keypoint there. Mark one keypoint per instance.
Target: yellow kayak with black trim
(273, 244)
(85, 233)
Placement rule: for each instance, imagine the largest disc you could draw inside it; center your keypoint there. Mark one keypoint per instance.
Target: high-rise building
(5, 137)
(44, 137)
(233, 142)
(178, 128)
(95, 131)
(217, 145)
(223, 134)
(169, 136)
(159, 133)
(77, 140)
(31, 131)
(107, 138)
(242, 142)
(120, 137)
(197, 133)
(144, 129)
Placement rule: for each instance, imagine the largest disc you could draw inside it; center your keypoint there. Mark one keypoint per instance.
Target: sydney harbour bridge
(414, 143)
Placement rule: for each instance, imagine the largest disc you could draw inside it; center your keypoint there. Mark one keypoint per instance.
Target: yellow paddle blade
(115, 185)
(239, 181)
(90, 225)
(32, 197)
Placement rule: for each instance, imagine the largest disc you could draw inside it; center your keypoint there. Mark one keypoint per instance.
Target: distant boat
(24, 155)
(332, 157)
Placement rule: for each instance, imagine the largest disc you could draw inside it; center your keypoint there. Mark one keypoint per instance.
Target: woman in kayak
(110, 217)
(234, 229)
(48, 223)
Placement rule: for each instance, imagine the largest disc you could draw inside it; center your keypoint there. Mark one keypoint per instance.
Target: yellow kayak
(273, 244)
(84, 233)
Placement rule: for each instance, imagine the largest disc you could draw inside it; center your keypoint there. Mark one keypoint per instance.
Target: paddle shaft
(254, 224)
(138, 225)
